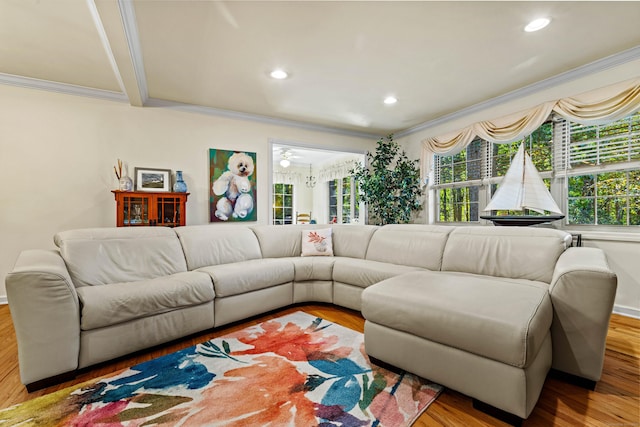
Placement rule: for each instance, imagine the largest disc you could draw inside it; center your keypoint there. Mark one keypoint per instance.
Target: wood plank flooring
(615, 401)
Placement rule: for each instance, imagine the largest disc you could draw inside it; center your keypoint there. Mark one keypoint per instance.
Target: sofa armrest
(46, 315)
(582, 290)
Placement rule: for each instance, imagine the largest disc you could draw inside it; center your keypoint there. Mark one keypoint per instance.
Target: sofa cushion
(121, 302)
(515, 252)
(278, 241)
(247, 276)
(409, 244)
(313, 268)
(363, 273)
(502, 319)
(206, 245)
(99, 256)
(317, 242)
(351, 240)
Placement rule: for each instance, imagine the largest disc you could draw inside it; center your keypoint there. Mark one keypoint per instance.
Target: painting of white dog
(233, 185)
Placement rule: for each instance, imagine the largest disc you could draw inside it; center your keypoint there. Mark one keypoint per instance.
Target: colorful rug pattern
(297, 370)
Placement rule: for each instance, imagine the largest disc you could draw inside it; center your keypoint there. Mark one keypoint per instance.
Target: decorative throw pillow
(317, 242)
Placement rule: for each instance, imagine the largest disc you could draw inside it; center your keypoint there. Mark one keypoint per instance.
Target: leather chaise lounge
(486, 311)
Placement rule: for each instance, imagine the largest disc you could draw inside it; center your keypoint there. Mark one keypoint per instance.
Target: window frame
(275, 220)
(354, 200)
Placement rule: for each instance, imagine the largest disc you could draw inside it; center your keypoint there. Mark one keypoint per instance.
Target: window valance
(595, 107)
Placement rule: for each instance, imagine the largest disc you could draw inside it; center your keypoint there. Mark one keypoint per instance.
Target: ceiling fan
(286, 154)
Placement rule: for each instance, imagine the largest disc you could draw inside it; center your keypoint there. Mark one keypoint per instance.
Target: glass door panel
(136, 211)
(169, 211)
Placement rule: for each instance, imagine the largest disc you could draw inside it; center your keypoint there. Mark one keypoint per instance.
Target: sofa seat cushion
(363, 273)
(501, 319)
(115, 303)
(248, 276)
(313, 268)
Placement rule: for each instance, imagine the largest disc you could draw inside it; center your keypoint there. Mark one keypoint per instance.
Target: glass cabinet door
(169, 211)
(136, 210)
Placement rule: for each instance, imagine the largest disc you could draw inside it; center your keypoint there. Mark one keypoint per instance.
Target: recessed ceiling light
(279, 74)
(537, 24)
(390, 100)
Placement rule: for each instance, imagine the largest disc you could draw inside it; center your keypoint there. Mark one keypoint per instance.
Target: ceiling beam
(116, 24)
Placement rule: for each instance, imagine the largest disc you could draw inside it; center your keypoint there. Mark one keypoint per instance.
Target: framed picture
(232, 186)
(148, 179)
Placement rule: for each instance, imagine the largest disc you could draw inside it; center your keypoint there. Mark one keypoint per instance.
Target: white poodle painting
(233, 185)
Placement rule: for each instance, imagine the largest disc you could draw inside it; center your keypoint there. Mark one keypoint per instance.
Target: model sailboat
(520, 189)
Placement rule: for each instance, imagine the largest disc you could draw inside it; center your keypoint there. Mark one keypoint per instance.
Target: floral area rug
(296, 370)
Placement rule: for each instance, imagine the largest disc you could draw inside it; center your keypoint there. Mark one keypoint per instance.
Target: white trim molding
(3, 300)
(582, 71)
(626, 311)
(91, 4)
(160, 103)
(129, 22)
(64, 88)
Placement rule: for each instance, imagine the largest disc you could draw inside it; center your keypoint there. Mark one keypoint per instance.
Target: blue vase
(179, 186)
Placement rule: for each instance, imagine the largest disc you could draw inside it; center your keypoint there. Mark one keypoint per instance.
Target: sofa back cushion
(352, 240)
(99, 256)
(206, 245)
(410, 244)
(280, 241)
(277, 241)
(515, 252)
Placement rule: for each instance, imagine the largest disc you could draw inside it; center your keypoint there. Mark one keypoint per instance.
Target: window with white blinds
(461, 180)
(596, 167)
(617, 142)
(603, 173)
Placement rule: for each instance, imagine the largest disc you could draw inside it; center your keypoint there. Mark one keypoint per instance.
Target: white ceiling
(302, 156)
(344, 58)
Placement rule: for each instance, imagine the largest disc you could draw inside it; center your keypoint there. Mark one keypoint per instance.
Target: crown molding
(102, 34)
(129, 22)
(64, 88)
(568, 76)
(160, 103)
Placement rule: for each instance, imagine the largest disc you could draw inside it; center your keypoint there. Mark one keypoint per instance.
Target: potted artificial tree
(389, 184)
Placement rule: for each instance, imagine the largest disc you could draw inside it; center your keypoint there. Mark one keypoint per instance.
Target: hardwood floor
(615, 401)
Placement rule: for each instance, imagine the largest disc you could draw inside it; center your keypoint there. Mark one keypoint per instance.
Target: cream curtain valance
(596, 107)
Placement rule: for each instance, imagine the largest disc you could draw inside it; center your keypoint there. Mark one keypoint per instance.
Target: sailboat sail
(522, 188)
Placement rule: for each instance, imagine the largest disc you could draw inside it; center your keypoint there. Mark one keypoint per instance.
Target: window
(283, 203)
(596, 166)
(344, 200)
(333, 201)
(458, 196)
(461, 179)
(603, 173)
(539, 146)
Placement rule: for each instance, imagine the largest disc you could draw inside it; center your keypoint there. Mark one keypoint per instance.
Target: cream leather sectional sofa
(483, 310)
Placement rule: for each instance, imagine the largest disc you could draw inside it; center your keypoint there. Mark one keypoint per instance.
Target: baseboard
(3, 299)
(626, 311)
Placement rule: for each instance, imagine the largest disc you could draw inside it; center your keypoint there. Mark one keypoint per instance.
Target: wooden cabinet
(137, 208)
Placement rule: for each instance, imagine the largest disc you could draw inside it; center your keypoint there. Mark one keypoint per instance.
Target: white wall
(623, 250)
(57, 154)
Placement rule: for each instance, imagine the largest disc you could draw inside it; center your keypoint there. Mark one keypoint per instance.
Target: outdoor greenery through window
(344, 200)
(283, 203)
(596, 167)
(612, 196)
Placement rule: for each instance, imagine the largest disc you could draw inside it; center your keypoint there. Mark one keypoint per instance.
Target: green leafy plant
(390, 185)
